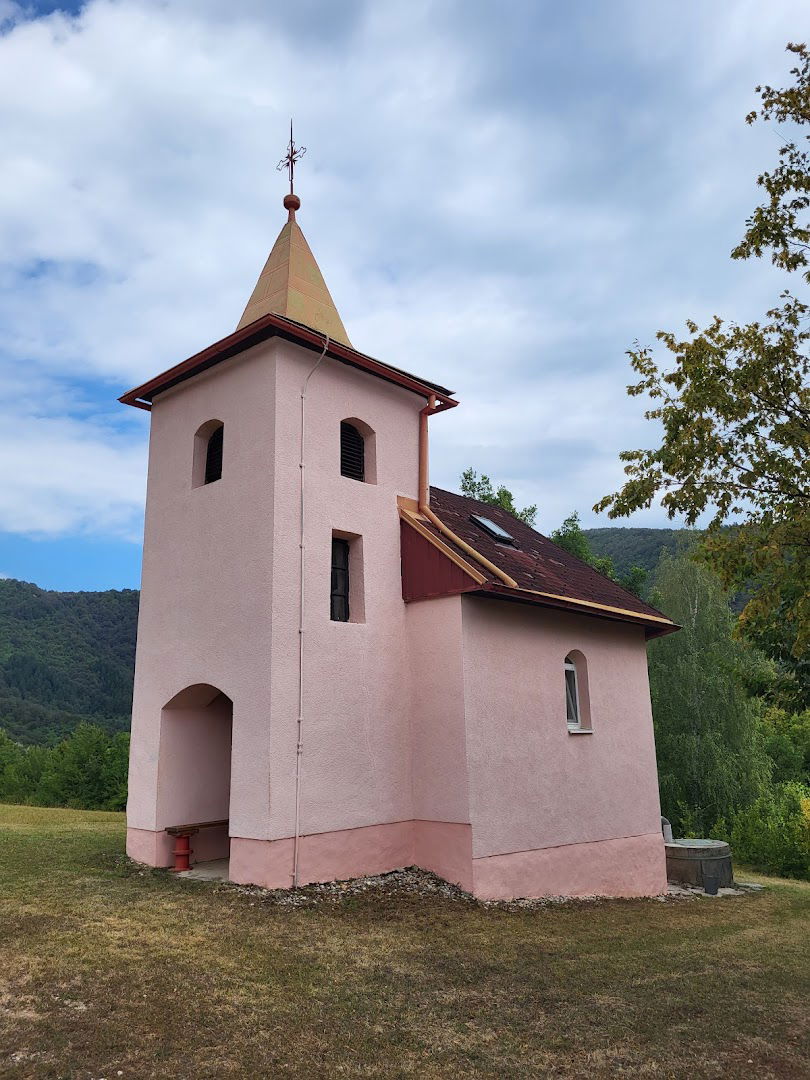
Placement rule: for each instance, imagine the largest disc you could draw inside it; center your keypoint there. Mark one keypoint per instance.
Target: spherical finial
(292, 202)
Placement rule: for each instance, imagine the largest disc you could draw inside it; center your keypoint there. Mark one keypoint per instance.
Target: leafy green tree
(86, 771)
(711, 754)
(480, 487)
(735, 412)
(773, 833)
(21, 770)
(571, 537)
(787, 742)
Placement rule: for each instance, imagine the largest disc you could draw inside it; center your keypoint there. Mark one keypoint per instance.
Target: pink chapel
(342, 670)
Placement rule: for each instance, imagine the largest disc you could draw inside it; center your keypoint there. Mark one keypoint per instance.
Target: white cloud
(508, 242)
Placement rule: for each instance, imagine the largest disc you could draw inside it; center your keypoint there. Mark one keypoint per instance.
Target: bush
(773, 834)
(86, 771)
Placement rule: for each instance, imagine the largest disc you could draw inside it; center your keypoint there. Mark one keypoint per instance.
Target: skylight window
(494, 530)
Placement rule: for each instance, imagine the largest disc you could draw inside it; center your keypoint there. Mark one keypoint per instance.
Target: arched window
(577, 695)
(352, 452)
(357, 451)
(208, 446)
(213, 455)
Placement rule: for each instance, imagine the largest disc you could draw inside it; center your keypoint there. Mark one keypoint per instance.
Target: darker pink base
(628, 866)
(441, 846)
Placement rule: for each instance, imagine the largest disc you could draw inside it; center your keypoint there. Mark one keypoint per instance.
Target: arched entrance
(194, 771)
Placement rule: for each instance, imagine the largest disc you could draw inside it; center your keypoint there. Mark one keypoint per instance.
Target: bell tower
(272, 690)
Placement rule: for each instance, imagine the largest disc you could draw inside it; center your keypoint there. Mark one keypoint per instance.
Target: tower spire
(291, 283)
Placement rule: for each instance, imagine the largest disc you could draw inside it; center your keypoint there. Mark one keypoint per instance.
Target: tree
(572, 539)
(711, 753)
(480, 487)
(735, 412)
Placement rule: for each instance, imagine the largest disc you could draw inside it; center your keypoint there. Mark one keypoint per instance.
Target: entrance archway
(194, 771)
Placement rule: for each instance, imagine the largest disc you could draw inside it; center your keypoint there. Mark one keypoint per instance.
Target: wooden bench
(182, 840)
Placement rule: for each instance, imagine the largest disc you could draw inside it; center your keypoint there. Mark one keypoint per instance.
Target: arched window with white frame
(577, 693)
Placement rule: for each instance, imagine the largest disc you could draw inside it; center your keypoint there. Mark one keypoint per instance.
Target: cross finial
(288, 162)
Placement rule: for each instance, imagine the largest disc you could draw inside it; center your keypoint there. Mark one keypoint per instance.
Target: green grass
(106, 970)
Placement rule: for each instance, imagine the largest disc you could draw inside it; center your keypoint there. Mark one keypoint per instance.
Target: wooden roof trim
(603, 607)
(656, 624)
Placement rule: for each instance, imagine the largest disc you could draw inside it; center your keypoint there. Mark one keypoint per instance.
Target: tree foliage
(481, 488)
(86, 771)
(735, 413)
(711, 754)
(64, 656)
(571, 537)
(629, 547)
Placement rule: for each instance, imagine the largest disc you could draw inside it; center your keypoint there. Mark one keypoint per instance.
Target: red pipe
(182, 852)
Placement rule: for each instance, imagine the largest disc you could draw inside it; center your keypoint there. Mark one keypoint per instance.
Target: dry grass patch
(107, 971)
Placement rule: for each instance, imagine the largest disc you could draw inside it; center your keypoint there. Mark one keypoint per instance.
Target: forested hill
(634, 547)
(64, 657)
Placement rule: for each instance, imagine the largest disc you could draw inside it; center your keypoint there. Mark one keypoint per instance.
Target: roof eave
(272, 325)
(653, 627)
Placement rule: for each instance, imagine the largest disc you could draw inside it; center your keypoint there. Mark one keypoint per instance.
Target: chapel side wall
(356, 764)
(440, 791)
(441, 807)
(205, 594)
(554, 812)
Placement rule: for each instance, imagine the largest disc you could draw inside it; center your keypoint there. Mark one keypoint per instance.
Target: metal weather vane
(293, 155)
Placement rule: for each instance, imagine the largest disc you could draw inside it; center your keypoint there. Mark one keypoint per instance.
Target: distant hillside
(634, 547)
(64, 657)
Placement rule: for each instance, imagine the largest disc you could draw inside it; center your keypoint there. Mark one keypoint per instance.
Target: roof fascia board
(657, 625)
(262, 329)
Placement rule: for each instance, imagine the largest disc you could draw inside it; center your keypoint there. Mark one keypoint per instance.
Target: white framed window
(572, 714)
(577, 694)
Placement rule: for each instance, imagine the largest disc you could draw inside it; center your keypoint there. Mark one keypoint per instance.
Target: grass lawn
(106, 971)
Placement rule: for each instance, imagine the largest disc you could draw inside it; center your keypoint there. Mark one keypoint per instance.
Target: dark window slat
(352, 452)
(213, 456)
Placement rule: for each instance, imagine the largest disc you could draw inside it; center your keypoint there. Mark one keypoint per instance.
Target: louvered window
(213, 456)
(352, 452)
(339, 611)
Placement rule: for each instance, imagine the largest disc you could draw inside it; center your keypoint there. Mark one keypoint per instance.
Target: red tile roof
(535, 563)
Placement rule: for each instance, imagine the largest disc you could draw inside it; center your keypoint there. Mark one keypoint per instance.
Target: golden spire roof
(291, 284)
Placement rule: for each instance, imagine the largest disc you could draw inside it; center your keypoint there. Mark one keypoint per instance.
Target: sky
(502, 197)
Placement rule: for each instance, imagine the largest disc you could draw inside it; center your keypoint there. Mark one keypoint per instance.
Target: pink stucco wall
(626, 866)
(438, 740)
(440, 846)
(219, 600)
(201, 545)
(533, 786)
(356, 765)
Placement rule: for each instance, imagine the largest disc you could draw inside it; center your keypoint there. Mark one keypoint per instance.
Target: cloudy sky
(502, 198)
